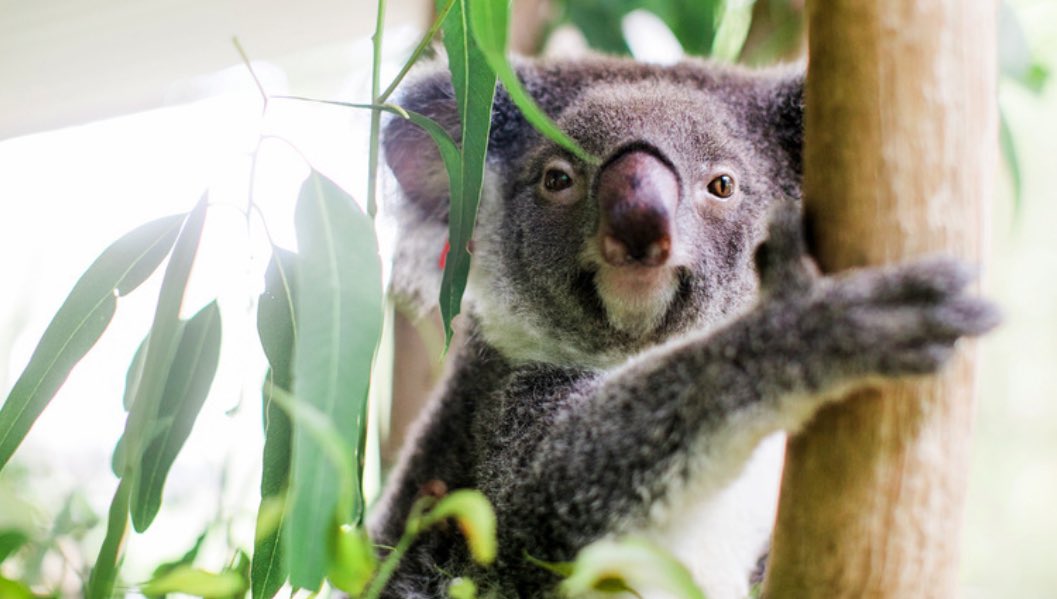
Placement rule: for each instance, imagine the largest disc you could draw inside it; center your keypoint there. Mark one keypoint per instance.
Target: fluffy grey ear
(784, 99)
(421, 205)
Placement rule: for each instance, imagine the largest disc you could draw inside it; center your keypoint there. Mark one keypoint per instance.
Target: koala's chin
(636, 298)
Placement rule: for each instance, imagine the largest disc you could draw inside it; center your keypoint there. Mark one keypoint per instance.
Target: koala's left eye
(722, 186)
(556, 179)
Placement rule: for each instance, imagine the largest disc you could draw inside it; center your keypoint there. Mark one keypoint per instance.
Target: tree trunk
(899, 155)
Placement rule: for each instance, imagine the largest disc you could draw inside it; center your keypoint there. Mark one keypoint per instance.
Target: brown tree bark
(899, 154)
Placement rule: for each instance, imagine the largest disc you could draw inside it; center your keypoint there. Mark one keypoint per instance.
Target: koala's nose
(637, 196)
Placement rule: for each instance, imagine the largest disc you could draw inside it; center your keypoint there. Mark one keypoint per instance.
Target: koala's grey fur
(578, 425)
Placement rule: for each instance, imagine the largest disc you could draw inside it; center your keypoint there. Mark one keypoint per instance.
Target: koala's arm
(697, 407)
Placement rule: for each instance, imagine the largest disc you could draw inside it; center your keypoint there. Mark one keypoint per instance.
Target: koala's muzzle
(637, 196)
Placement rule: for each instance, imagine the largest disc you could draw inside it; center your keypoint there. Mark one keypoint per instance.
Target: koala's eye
(556, 179)
(722, 186)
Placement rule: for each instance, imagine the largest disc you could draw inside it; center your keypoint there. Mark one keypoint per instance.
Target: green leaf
(352, 559)
(1016, 61)
(733, 30)
(10, 542)
(1009, 153)
(462, 588)
(195, 581)
(489, 25)
(13, 589)
(276, 329)
(80, 322)
(474, 84)
(134, 373)
(693, 23)
(339, 322)
(186, 559)
(563, 569)
(190, 376)
(629, 564)
(599, 21)
(104, 572)
(144, 420)
(475, 517)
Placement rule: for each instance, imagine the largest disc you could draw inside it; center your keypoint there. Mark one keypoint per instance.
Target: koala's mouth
(632, 299)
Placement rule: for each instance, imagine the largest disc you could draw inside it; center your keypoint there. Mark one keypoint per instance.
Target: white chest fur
(721, 536)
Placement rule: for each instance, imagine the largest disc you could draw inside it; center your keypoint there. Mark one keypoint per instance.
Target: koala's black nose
(637, 196)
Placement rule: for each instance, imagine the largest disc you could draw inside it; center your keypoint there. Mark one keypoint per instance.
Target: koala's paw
(903, 320)
(782, 262)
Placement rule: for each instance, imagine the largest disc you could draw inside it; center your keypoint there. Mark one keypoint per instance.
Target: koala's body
(630, 344)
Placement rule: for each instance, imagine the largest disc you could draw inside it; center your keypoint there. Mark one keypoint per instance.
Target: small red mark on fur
(444, 255)
(434, 488)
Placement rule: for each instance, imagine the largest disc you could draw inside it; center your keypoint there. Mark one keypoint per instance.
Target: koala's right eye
(555, 180)
(559, 184)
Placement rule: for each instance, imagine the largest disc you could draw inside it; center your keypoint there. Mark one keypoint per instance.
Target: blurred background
(115, 112)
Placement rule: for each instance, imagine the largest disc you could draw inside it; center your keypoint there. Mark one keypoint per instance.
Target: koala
(638, 329)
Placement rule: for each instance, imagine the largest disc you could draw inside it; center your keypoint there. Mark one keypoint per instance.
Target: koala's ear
(785, 103)
(421, 209)
(411, 153)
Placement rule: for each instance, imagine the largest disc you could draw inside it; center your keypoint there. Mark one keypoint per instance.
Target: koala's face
(586, 263)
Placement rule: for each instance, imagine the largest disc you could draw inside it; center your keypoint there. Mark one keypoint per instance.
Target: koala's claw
(900, 320)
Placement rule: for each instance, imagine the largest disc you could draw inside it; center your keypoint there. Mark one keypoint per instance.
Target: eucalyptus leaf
(10, 542)
(13, 589)
(1016, 60)
(104, 572)
(733, 30)
(475, 517)
(80, 322)
(462, 588)
(474, 84)
(143, 417)
(339, 322)
(198, 582)
(353, 561)
(134, 373)
(187, 559)
(489, 24)
(632, 563)
(1009, 153)
(189, 378)
(277, 331)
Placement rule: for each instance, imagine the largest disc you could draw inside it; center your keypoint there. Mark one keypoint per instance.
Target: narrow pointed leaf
(104, 572)
(197, 582)
(475, 517)
(489, 25)
(80, 322)
(132, 378)
(276, 329)
(339, 322)
(733, 30)
(474, 84)
(190, 377)
(1009, 153)
(144, 420)
(134, 373)
(186, 559)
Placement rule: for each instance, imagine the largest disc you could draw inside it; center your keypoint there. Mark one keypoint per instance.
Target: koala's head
(586, 263)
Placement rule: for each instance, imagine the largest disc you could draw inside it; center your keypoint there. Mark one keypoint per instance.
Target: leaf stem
(422, 45)
(376, 117)
(104, 572)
